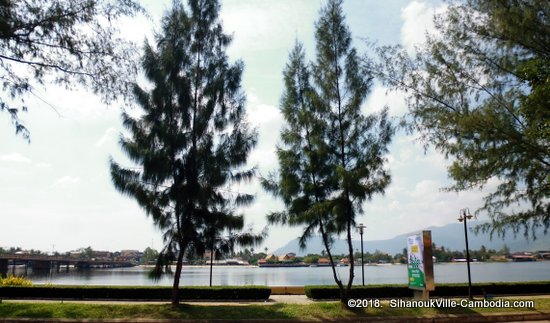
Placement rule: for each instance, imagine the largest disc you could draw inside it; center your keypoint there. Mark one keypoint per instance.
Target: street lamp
(361, 228)
(464, 217)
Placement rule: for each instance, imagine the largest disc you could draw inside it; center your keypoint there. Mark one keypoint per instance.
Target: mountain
(451, 236)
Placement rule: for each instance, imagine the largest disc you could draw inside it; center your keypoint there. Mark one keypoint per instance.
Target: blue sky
(56, 191)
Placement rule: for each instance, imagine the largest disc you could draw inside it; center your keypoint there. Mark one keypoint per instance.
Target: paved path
(274, 299)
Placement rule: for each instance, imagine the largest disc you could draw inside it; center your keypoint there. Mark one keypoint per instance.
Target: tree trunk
(325, 242)
(177, 274)
(211, 261)
(351, 258)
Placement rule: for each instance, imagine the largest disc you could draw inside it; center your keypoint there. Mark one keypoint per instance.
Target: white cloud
(268, 120)
(381, 97)
(265, 23)
(417, 20)
(15, 158)
(426, 188)
(107, 135)
(43, 165)
(66, 181)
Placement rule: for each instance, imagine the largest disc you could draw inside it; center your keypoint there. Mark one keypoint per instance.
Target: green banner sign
(415, 251)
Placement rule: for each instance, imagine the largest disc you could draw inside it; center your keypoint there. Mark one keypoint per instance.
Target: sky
(56, 191)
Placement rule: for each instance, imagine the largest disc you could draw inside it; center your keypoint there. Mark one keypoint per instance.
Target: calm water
(382, 274)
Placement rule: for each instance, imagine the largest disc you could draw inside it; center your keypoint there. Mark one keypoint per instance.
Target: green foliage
(331, 155)
(137, 293)
(253, 259)
(87, 252)
(311, 259)
(442, 290)
(478, 92)
(377, 257)
(12, 280)
(150, 255)
(483, 254)
(63, 42)
(192, 141)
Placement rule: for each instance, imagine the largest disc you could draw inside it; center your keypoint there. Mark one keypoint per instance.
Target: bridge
(45, 262)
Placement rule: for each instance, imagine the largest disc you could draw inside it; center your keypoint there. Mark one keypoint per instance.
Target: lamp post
(464, 217)
(361, 228)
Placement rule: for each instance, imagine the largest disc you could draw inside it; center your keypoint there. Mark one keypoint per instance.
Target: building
(523, 256)
(288, 257)
(323, 262)
(131, 255)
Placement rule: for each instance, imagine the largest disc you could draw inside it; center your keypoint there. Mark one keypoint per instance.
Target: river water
(300, 276)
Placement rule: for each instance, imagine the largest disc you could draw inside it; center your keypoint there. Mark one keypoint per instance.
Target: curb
(390, 319)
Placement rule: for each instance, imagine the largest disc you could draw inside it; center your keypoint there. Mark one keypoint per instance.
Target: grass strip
(316, 311)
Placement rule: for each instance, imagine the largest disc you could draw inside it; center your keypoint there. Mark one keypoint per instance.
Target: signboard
(420, 263)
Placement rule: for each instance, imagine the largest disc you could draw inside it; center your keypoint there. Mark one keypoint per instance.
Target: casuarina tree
(304, 180)
(191, 142)
(64, 42)
(332, 154)
(478, 92)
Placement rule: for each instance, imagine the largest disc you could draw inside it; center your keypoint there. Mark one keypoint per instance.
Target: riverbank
(275, 309)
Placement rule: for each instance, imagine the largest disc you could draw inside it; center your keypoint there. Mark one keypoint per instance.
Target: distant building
(75, 253)
(523, 256)
(323, 262)
(101, 254)
(271, 257)
(131, 255)
(544, 254)
(288, 257)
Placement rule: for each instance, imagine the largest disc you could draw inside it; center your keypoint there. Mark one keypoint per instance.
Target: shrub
(136, 293)
(503, 288)
(390, 291)
(12, 280)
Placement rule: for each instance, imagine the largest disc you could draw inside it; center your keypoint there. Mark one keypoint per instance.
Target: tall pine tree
(304, 180)
(332, 159)
(192, 141)
(357, 142)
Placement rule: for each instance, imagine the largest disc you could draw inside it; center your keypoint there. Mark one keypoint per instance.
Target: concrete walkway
(274, 299)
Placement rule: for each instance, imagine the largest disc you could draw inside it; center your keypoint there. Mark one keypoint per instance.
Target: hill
(450, 236)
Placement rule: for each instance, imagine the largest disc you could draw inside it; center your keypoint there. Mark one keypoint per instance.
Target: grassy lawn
(316, 311)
